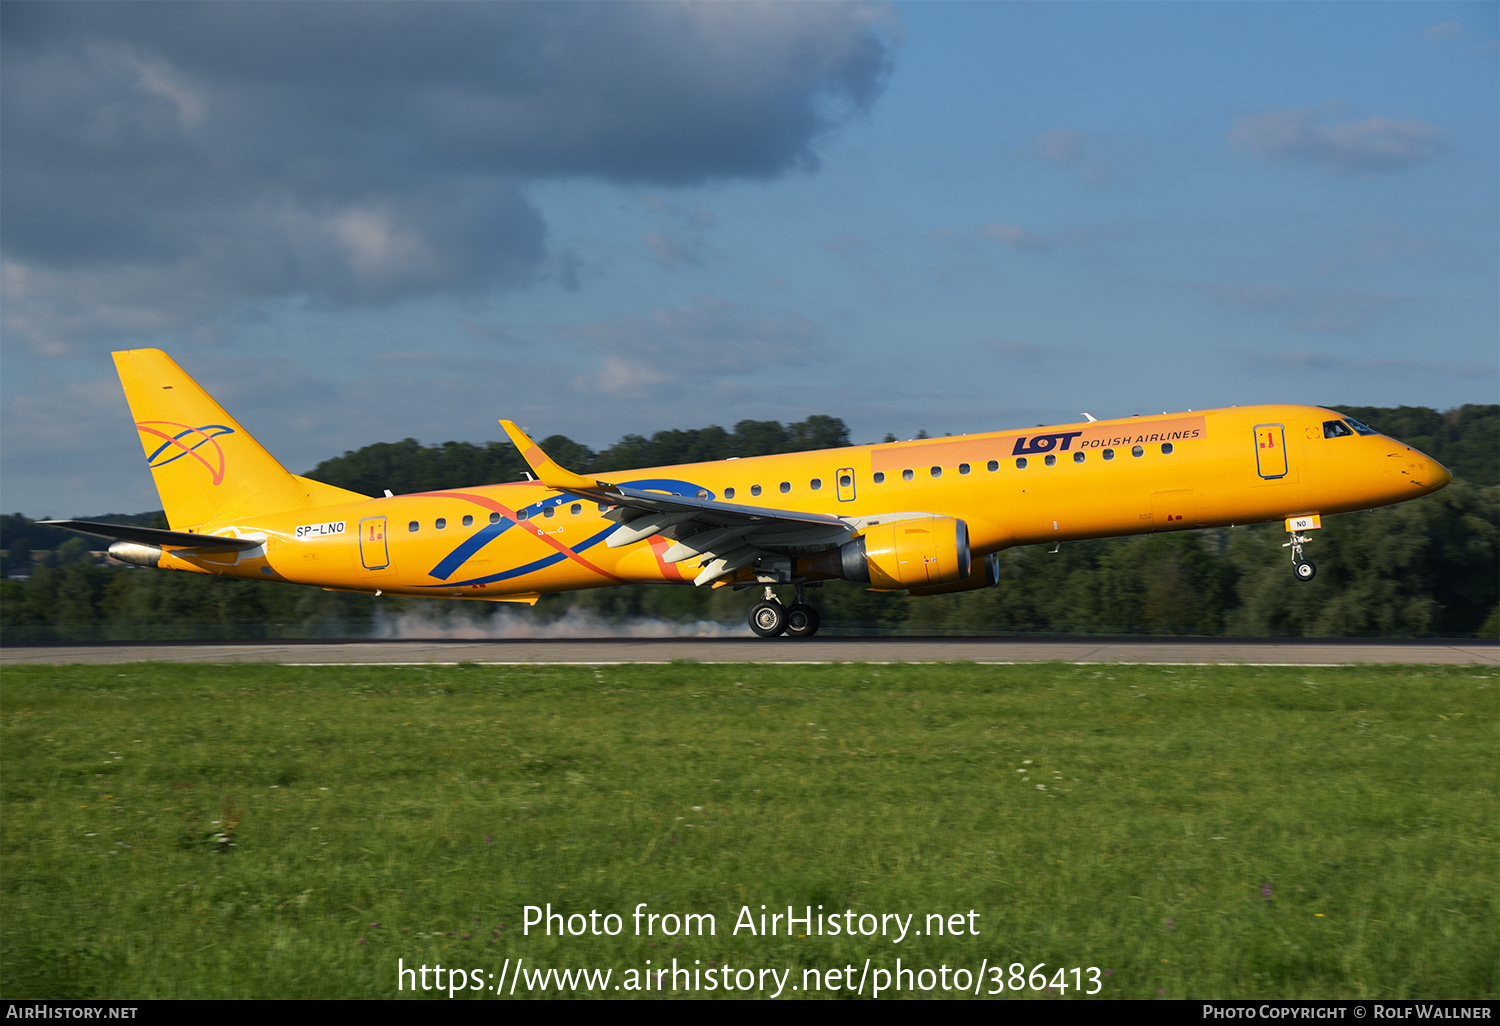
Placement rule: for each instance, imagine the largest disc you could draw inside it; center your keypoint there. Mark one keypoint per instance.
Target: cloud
(1301, 360)
(178, 160)
(1444, 30)
(1374, 144)
(682, 238)
(1098, 161)
(1316, 310)
(1014, 351)
(1058, 146)
(711, 339)
(1016, 237)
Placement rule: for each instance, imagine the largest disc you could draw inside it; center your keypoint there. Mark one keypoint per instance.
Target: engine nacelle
(984, 574)
(924, 552)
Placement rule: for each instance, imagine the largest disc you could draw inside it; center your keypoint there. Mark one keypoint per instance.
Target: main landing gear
(769, 618)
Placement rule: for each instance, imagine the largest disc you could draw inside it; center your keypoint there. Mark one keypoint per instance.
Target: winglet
(546, 470)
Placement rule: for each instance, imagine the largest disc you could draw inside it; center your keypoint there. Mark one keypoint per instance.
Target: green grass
(1134, 819)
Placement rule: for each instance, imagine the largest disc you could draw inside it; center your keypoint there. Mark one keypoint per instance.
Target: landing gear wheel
(802, 621)
(768, 619)
(1304, 571)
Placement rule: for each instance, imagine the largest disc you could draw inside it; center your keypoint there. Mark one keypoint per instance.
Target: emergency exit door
(374, 553)
(1270, 451)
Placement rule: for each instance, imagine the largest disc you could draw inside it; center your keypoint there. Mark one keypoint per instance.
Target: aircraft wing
(718, 537)
(155, 536)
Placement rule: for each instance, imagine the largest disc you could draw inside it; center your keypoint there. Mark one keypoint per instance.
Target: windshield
(1363, 429)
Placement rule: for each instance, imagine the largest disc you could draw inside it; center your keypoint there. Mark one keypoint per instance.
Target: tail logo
(179, 440)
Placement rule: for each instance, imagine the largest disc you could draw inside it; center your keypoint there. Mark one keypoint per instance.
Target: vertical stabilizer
(207, 468)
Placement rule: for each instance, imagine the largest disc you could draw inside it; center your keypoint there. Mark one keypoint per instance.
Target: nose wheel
(1302, 569)
(769, 618)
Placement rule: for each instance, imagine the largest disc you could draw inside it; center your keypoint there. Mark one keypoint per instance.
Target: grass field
(240, 831)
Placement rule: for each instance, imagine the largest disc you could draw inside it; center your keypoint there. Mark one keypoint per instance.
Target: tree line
(1421, 568)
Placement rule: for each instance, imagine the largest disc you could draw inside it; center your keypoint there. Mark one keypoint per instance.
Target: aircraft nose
(1437, 475)
(1425, 472)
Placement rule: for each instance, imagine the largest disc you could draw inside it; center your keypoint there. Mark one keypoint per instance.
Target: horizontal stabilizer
(154, 536)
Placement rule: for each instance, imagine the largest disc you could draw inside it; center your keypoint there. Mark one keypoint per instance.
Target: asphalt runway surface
(606, 651)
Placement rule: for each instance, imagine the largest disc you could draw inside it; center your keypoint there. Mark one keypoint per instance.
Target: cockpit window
(1363, 429)
(1335, 428)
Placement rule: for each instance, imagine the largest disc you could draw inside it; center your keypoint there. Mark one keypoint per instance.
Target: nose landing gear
(1302, 569)
(769, 618)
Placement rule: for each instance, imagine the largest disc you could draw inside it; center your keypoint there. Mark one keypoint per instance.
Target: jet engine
(984, 573)
(924, 552)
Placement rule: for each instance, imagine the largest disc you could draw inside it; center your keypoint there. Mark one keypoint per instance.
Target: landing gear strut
(769, 618)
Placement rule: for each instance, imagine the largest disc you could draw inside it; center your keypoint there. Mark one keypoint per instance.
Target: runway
(607, 651)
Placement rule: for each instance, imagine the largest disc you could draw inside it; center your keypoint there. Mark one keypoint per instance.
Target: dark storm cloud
(176, 158)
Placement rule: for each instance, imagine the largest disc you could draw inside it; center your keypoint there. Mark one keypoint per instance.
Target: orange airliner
(926, 517)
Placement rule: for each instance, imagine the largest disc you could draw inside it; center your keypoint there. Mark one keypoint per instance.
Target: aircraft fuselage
(513, 542)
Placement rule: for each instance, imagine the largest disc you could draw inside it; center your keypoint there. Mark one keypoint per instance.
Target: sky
(356, 223)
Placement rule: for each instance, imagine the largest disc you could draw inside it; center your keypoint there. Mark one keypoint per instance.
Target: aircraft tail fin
(207, 468)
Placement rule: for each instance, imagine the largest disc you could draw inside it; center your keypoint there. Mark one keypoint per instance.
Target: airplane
(927, 517)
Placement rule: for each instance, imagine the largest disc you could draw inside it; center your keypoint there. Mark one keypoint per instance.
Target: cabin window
(729, 493)
(550, 512)
(412, 527)
(879, 477)
(755, 489)
(963, 468)
(576, 508)
(1336, 429)
(442, 522)
(1138, 451)
(994, 465)
(523, 514)
(1109, 454)
(1051, 461)
(907, 475)
(494, 518)
(468, 520)
(1078, 457)
(786, 486)
(815, 483)
(937, 471)
(1166, 448)
(1020, 462)
(603, 507)
(845, 480)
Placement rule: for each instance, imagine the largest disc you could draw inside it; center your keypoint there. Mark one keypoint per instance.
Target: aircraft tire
(1304, 571)
(802, 621)
(768, 619)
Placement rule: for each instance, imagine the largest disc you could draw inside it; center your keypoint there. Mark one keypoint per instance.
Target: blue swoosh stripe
(455, 559)
(519, 571)
(178, 437)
